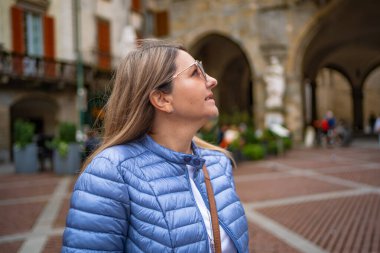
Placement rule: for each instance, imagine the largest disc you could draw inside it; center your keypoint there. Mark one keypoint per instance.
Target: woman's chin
(214, 114)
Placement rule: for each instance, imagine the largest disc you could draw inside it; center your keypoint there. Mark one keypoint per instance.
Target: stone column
(314, 115)
(275, 87)
(357, 98)
(258, 92)
(293, 107)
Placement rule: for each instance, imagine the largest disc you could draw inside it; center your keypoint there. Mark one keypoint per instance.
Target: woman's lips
(211, 96)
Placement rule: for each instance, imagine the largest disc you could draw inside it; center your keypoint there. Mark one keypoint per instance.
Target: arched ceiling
(216, 50)
(225, 60)
(348, 40)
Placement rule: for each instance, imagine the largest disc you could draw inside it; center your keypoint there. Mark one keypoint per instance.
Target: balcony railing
(25, 66)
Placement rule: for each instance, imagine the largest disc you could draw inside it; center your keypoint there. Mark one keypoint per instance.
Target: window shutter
(49, 46)
(136, 5)
(18, 41)
(104, 47)
(162, 23)
(49, 41)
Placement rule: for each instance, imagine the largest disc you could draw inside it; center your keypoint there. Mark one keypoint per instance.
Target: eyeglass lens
(200, 67)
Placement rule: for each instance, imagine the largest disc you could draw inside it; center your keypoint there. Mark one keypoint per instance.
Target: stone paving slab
(27, 191)
(16, 186)
(14, 177)
(326, 200)
(283, 187)
(19, 218)
(60, 220)
(246, 168)
(53, 244)
(263, 242)
(371, 177)
(10, 246)
(348, 224)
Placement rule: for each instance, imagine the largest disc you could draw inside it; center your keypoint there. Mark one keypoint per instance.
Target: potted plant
(25, 152)
(253, 151)
(67, 151)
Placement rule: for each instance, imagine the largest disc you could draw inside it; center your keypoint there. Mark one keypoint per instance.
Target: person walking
(376, 127)
(371, 121)
(91, 143)
(152, 185)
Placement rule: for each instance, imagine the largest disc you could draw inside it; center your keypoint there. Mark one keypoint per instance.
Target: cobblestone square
(308, 200)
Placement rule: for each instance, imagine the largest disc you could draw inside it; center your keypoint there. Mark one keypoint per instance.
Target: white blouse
(227, 244)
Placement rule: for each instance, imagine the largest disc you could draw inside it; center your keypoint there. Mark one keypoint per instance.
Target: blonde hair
(128, 111)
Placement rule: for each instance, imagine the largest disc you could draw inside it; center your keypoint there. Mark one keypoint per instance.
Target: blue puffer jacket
(137, 198)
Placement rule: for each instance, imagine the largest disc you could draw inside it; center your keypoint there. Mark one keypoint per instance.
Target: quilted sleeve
(97, 220)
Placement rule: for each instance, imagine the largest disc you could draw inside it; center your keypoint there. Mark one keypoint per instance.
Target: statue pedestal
(274, 118)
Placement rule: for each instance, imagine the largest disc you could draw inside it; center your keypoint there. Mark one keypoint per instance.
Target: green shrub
(272, 147)
(253, 151)
(66, 135)
(235, 145)
(268, 135)
(210, 137)
(23, 133)
(67, 132)
(287, 143)
(249, 136)
(235, 118)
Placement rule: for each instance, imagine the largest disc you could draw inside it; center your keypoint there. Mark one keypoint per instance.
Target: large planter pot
(26, 159)
(69, 164)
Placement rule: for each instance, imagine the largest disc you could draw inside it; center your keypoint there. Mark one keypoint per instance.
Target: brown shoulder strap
(213, 211)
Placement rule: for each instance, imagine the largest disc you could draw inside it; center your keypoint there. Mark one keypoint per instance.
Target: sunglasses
(200, 70)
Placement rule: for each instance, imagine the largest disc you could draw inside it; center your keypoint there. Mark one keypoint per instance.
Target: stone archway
(40, 110)
(225, 60)
(352, 53)
(329, 83)
(371, 97)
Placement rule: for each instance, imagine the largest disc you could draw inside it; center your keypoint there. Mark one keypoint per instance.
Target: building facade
(328, 52)
(55, 57)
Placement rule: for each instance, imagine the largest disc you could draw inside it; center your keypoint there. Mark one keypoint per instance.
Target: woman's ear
(161, 101)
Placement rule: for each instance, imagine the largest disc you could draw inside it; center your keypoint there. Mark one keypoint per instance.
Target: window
(33, 34)
(157, 23)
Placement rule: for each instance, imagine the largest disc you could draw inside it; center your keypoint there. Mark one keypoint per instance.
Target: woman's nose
(211, 82)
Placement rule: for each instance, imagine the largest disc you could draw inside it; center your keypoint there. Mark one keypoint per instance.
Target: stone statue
(275, 83)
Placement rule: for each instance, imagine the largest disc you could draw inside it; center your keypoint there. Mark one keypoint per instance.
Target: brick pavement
(309, 200)
(313, 200)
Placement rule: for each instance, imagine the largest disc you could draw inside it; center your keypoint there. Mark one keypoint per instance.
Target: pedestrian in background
(371, 121)
(91, 143)
(376, 127)
(147, 187)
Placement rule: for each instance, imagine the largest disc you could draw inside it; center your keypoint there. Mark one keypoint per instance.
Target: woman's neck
(174, 135)
(171, 141)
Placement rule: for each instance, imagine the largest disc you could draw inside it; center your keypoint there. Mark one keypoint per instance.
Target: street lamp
(81, 92)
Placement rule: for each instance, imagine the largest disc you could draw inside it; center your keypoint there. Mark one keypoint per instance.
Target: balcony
(24, 71)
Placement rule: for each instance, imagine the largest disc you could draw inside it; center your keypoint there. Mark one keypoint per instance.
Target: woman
(143, 189)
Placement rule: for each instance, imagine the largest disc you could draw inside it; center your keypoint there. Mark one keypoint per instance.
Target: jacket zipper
(226, 229)
(199, 212)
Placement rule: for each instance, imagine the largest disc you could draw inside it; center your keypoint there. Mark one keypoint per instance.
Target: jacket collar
(194, 160)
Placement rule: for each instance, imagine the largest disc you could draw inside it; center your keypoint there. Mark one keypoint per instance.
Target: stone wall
(261, 29)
